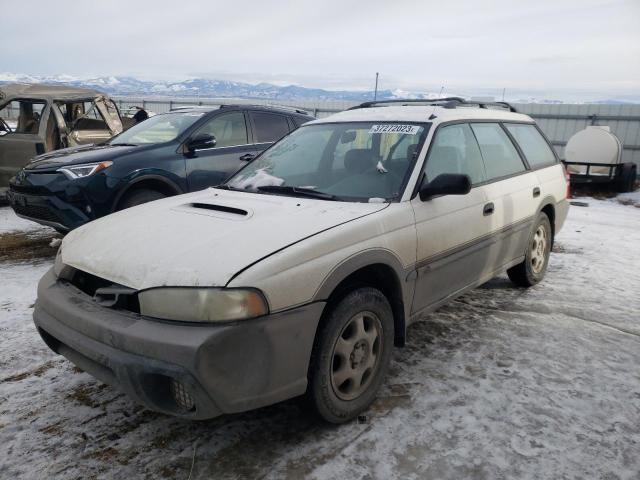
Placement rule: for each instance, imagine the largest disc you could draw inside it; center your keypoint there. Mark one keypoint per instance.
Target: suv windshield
(346, 161)
(158, 129)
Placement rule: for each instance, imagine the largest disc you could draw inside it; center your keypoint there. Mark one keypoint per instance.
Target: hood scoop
(216, 210)
(220, 208)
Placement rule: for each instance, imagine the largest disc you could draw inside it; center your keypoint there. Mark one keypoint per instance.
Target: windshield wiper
(297, 191)
(224, 186)
(124, 144)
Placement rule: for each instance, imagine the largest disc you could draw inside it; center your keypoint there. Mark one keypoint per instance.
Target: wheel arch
(151, 182)
(377, 268)
(547, 206)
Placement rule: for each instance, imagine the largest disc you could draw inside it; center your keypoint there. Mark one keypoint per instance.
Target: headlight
(58, 265)
(61, 270)
(192, 304)
(81, 171)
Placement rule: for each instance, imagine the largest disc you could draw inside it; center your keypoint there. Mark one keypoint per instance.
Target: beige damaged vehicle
(35, 119)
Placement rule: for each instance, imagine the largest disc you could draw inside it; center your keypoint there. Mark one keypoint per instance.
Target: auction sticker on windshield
(394, 128)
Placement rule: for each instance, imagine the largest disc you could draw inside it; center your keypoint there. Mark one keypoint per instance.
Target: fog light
(181, 396)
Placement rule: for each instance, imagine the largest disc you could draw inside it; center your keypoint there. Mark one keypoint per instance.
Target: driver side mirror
(200, 141)
(445, 184)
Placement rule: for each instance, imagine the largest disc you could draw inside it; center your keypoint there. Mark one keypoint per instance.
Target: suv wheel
(534, 266)
(351, 355)
(138, 197)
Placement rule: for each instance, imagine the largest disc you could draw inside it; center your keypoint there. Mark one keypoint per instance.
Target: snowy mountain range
(197, 87)
(209, 88)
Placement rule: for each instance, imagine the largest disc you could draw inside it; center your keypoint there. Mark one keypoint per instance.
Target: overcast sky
(547, 46)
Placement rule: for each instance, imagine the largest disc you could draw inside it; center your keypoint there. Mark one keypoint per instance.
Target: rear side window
(455, 150)
(535, 148)
(498, 152)
(269, 127)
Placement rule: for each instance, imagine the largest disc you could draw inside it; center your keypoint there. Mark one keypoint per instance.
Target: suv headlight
(86, 170)
(193, 304)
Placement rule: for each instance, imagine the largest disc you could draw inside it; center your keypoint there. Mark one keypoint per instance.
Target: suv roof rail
(446, 102)
(279, 107)
(244, 105)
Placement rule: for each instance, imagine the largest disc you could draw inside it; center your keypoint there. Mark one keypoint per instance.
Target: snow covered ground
(502, 383)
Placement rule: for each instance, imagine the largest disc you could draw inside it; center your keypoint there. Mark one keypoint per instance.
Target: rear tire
(534, 266)
(138, 197)
(627, 180)
(351, 355)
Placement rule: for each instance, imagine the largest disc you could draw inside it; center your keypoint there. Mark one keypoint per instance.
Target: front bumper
(225, 368)
(46, 207)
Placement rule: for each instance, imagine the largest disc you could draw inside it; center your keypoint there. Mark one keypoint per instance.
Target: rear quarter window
(535, 148)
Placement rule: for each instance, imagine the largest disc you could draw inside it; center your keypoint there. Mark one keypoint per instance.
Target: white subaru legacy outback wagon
(302, 271)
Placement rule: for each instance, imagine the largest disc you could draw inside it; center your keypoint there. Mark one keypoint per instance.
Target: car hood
(77, 155)
(199, 239)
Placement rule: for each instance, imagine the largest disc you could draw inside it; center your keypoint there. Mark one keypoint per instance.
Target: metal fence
(559, 122)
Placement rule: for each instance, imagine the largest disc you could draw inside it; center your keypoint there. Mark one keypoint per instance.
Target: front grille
(36, 212)
(29, 189)
(111, 296)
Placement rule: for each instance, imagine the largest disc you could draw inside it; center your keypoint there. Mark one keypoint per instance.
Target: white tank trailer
(594, 156)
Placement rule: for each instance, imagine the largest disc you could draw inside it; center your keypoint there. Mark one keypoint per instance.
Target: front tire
(534, 266)
(351, 355)
(138, 197)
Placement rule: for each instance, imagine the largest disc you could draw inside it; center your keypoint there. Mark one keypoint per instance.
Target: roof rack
(281, 107)
(233, 105)
(447, 102)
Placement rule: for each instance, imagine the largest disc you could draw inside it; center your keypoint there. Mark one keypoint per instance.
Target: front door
(212, 166)
(21, 135)
(452, 230)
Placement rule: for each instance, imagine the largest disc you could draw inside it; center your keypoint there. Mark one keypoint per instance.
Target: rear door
(452, 230)
(512, 192)
(212, 166)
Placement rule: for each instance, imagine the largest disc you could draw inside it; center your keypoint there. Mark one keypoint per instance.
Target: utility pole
(503, 90)
(375, 92)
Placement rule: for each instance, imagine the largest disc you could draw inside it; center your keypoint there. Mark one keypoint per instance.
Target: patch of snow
(10, 222)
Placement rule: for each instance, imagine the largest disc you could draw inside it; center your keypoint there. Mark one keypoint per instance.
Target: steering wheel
(4, 126)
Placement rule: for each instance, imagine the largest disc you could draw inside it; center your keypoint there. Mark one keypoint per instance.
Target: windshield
(363, 161)
(158, 129)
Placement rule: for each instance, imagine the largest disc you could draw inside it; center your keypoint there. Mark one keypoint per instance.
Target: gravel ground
(502, 383)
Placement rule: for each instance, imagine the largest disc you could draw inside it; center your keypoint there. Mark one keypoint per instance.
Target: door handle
(536, 192)
(247, 156)
(488, 209)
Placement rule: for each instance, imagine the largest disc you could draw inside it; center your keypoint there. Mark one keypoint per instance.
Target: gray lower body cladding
(225, 368)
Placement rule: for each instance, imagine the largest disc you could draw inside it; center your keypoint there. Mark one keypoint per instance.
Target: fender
(375, 256)
(169, 183)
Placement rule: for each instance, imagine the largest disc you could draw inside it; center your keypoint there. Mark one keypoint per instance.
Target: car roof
(423, 113)
(46, 92)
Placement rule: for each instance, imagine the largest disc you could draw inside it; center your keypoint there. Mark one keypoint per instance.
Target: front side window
(269, 127)
(500, 156)
(535, 148)
(229, 129)
(158, 129)
(455, 150)
(348, 161)
(21, 116)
